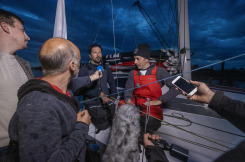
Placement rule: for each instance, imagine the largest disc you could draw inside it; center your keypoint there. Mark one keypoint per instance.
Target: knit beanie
(143, 50)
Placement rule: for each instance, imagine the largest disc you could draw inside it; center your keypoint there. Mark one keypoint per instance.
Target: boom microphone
(123, 141)
(100, 68)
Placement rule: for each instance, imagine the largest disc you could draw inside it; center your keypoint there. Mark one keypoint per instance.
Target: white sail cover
(60, 29)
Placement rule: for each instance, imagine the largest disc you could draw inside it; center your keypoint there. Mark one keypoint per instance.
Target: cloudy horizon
(217, 29)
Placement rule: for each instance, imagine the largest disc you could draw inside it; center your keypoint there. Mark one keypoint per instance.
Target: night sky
(217, 28)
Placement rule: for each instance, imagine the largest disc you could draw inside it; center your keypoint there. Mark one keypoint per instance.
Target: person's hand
(152, 136)
(154, 103)
(106, 100)
(203, 95)
(83, 116)
(97, 74)
(130, 102)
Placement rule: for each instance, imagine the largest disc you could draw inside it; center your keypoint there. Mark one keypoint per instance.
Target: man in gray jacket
(47, 125)
(14, 71)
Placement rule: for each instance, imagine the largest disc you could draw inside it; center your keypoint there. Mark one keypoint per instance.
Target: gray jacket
(25, 66)
(45, 125)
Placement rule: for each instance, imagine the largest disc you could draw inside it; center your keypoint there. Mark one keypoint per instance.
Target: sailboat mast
(184, 38)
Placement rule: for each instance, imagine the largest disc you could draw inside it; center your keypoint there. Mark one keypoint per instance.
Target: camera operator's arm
(232, 110)
(152, 152)
(218, 101)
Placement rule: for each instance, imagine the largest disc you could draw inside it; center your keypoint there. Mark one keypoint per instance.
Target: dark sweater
(234, 112)
(93, 89)
(45, 126)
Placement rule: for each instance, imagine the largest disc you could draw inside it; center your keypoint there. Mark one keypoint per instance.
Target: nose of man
(135, 62)
(27, 37)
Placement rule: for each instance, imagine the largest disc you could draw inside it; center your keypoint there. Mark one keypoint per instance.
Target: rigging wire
(169, 30)
(135, 41)
(173, 18)
(72, 12)
(123, 42)
(100, 21)
(194, 143)
(190, 132)
(146, 15)
(178, 127)
(114, 40)
(210, 139)
(113, 27)
(160, 80)
(181, 117)
(167, 24)
(158, 5)
(88, 35)
(172, 11)
(93, 20)
(176, 33)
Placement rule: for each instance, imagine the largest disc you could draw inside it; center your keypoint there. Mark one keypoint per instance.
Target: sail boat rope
(178, 75)
(172, 11)
(231, 58)
(181, 117)
(100, 21)
(114, 40)
(194, 143)
(193, 133)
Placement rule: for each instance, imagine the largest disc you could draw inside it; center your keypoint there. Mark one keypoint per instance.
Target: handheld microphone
(100, 68)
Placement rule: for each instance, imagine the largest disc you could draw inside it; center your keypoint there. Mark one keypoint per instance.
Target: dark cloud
(217, 31)
(216, 28)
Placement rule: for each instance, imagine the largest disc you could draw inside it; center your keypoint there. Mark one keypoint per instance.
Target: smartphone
(184, 85)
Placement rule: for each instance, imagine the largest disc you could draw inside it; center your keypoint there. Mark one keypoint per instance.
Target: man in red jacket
(148, 74)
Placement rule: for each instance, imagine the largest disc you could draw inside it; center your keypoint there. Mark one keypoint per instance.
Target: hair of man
(58, 61)
(94, 45)
(8, 17)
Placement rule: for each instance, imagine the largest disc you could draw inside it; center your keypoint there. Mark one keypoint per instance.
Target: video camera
(174, 150)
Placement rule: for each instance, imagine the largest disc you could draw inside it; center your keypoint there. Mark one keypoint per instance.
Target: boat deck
(211, 145)
(204, 144)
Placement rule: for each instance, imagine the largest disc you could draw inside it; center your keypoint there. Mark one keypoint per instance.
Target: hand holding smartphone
(184, 85)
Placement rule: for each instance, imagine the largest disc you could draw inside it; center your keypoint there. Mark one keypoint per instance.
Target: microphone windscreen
(100, 68)
(125, 130)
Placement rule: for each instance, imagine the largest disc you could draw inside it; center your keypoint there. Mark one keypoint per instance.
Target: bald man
(47, 125)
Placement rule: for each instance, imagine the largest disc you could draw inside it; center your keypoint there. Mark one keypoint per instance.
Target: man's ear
(5, 27)
(72, 65)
